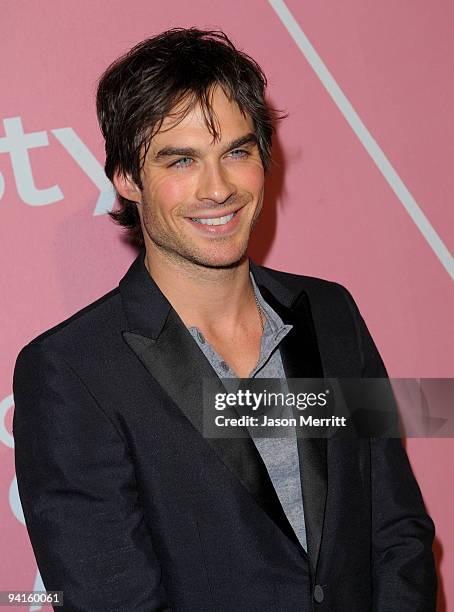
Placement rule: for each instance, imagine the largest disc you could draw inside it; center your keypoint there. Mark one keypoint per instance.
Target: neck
(202, 296)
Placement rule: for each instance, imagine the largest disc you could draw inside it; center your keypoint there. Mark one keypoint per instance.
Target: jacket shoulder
(346, 343)
(314, 286)
(93, 323)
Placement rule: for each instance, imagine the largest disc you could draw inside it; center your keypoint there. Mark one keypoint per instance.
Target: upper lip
(213, 214)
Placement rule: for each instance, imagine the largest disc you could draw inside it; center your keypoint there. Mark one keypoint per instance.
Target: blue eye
(238, 153)
(183, 162)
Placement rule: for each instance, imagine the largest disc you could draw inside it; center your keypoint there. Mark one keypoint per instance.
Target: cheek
(165, 193)
(251, 177)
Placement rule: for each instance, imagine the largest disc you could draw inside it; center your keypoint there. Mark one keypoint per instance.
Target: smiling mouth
(215, 220)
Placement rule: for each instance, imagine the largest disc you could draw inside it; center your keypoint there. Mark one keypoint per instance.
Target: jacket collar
(145, 306)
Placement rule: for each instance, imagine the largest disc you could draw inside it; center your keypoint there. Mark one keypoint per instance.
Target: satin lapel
(301, 359)
(177, 364)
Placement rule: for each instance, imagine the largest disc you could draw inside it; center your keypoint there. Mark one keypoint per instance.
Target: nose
(214, 184)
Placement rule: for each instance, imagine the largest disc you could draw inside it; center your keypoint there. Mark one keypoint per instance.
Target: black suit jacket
(129, 507)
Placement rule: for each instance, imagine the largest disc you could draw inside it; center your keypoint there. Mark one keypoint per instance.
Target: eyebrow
(248, 139)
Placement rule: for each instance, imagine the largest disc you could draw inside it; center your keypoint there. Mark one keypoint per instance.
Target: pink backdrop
(359, 193)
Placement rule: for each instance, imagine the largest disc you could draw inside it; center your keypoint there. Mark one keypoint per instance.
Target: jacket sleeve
(404, 577)
(78, 492)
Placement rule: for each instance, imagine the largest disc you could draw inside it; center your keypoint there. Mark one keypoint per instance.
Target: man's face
(201, 198)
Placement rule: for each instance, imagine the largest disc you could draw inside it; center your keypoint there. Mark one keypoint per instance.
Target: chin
(223, 255)
(220, 260)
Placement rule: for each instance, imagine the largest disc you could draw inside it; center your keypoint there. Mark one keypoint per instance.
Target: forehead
(229, 122)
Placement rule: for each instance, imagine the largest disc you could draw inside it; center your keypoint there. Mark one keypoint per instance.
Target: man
(128, 505)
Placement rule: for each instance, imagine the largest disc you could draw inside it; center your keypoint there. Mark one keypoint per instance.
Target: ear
(126, 187)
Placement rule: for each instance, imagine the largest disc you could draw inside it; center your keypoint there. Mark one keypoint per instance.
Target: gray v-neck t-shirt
(280, 455)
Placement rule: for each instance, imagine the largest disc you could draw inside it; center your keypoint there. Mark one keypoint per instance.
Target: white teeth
(217, 221)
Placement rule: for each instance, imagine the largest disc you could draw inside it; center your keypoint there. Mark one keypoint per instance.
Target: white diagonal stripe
(371, 146)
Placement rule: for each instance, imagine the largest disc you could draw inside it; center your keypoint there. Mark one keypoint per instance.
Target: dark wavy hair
(178, 67)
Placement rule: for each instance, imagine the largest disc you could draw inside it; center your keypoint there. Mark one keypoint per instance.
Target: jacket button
(319, 595)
